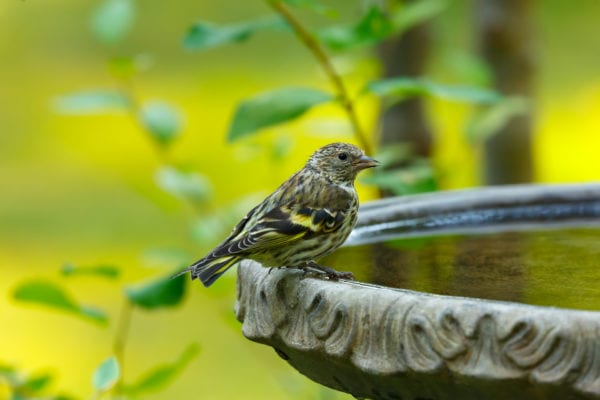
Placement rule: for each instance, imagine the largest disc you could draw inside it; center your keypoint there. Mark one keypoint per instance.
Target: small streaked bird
(306, 218)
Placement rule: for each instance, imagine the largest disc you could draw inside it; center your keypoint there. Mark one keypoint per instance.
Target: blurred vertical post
(405, 122)
(503, 32)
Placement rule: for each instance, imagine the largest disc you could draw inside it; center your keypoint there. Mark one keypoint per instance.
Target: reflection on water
(547, 267)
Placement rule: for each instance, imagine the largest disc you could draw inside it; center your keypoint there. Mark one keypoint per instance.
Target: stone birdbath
(488, 293)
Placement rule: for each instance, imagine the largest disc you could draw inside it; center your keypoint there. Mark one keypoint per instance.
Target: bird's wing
(240, 227)
(281, 226)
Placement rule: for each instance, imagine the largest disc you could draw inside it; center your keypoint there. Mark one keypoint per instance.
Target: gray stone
(383, 343)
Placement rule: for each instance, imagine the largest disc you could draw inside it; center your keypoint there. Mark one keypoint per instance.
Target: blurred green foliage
(105, 271)
(164, 292)
(113, 20)
(402, 88)
(26, 386)
(102, 193)
(162, 375)
(377, 24)
(206, 35)
(51, 295)
(159, 293)
(107, 375)
(271, 108)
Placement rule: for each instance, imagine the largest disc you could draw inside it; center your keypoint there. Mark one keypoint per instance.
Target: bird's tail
(208, 269)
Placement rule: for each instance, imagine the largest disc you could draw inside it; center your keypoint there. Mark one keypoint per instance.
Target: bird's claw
(337, 275)
(277, 268)
(331, 274)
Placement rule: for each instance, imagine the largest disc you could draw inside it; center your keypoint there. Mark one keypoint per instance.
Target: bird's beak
(365, 162)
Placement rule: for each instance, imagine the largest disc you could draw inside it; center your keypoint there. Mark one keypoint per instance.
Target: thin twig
(121, 338)
(134, 110)
(319, 53)
(127, 88)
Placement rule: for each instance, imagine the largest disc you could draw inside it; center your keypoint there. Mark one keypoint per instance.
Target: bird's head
(340, 162)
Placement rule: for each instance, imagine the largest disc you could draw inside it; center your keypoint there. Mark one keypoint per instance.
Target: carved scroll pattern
(386, 331)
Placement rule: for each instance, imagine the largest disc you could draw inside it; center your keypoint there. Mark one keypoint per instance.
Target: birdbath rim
(386, 343)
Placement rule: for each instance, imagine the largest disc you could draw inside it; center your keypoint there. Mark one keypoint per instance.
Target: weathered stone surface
(383, 343)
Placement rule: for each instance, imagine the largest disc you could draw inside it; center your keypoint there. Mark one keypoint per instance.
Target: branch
(319, 53)
(120, 339)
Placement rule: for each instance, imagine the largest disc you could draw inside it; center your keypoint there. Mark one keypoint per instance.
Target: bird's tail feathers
(209, 270)
(182, 272)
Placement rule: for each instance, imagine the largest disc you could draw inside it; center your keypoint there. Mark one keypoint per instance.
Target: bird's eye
(342, 156)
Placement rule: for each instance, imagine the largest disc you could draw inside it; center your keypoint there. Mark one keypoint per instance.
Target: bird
(306, 218)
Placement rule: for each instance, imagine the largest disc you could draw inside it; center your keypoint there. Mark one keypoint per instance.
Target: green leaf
(491, 120)
(106, 375)
(402, 88)
(9, 373)
(185, 185)
(469, 68)
(23, 385)
(373, 27)
(391, 154)
(92, 102)
(46, 293)
(410, 14)
(51, 295)
(104, 271)
(164, 292)
(36, 383)
(93, 313)
(161, 376)
(6, 369)
(273, 107)
(418, 177)
(124, 68)
(376, 25)
(205, 35)
(470, 94)
(113, 20)
(62, 397)
(162, 120)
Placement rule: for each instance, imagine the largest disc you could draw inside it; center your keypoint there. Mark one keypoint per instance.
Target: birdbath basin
(489, 293)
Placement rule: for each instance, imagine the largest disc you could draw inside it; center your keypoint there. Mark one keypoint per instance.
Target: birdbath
(488, 293)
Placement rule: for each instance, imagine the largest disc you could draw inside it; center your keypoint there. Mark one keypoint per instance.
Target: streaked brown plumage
(307, 217)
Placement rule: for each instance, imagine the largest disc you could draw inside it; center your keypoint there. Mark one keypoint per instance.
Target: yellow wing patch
(304, 220)
(269, 240)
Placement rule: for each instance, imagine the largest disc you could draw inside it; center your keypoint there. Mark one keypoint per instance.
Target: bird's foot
(277, 268)
(330, 273)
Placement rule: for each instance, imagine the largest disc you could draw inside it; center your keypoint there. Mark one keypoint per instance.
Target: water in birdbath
(549, 267)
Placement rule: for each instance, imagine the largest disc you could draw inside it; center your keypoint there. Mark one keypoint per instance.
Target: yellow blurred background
(81, 189)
